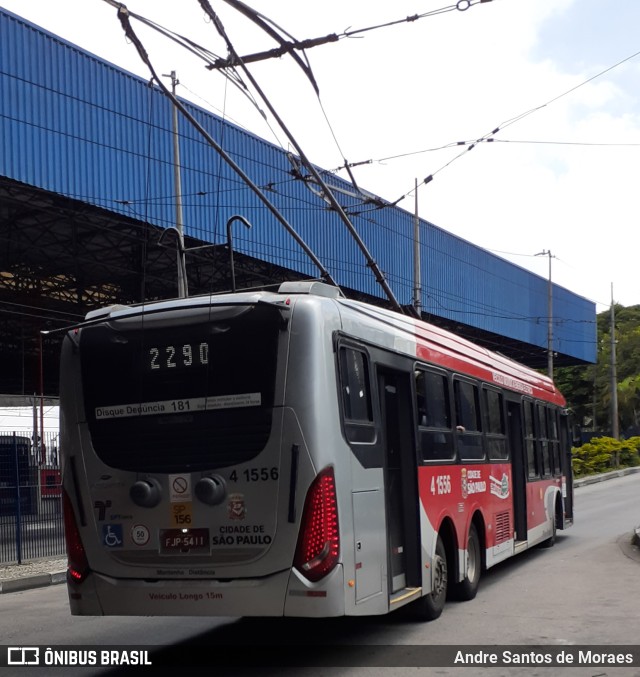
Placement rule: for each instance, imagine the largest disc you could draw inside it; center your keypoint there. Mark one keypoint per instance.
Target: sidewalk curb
(593, 479)
(30, 582)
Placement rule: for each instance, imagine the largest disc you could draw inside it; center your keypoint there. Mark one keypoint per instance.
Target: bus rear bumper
(282, 594)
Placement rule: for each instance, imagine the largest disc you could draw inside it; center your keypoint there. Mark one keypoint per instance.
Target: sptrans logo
(66, 656)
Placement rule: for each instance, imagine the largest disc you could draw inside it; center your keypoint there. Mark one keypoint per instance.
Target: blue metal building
(76, 127)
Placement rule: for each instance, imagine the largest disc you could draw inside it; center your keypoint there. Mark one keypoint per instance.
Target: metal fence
(31, 519)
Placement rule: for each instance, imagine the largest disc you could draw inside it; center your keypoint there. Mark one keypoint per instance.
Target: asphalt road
(583, 591)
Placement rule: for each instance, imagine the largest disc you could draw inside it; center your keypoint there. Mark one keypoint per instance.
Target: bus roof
(444, 348)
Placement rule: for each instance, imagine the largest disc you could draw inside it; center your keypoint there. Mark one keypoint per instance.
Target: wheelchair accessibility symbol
(112, 535)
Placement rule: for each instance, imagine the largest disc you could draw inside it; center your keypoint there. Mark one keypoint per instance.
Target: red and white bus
(296, 453)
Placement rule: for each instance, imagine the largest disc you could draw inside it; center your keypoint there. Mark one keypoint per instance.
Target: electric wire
(269, 27)
(289, 47)
(489, 136)
(371, 263)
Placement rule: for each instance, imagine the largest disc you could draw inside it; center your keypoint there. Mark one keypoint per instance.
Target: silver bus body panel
(282, 593)
(369, 545)
(104, 494)
(255, 542)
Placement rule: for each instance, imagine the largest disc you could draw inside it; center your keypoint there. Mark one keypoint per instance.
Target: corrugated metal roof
(76, 125)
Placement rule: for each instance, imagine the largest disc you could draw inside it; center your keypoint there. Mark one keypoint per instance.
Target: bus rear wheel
(429, 607)
(467, 588)
(552, 539)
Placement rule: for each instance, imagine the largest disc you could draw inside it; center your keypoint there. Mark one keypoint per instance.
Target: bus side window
(356, 395)
(468, 424)
(543, 439)
(529, 441)
(496, 439)
(435, 432)
(554, 442)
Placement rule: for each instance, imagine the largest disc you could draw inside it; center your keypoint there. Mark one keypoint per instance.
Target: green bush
(603, 454)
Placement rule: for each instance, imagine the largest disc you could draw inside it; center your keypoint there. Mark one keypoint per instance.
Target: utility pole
(615, 427)
(183, 290)
(417, 291)
(544, 252)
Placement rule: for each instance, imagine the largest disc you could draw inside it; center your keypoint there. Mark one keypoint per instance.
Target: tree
(588, 388)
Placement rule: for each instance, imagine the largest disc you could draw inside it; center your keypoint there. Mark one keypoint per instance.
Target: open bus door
(401, 483)
(518, 469)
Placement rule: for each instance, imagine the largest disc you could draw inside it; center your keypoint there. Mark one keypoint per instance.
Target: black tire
(467, 588)
(429, 607)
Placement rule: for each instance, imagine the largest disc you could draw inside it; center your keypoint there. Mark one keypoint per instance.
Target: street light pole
(544, 252)
(615, 425)
(183, 290)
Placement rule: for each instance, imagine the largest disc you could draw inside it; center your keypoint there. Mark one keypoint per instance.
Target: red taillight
(77, 565)
(318, 548)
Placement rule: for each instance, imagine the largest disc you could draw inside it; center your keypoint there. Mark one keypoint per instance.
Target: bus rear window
(187, 396)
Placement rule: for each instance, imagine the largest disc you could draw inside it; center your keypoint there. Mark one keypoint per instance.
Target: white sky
(422, 85)
(20, 419)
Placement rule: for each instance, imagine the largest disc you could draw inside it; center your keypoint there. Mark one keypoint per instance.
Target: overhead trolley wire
(290, 46)
(287, 45)
(231, 48)
(328, 193)
(489, 137)
(123, 15)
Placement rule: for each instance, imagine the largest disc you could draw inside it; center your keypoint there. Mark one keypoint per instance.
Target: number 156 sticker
(181, 515)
